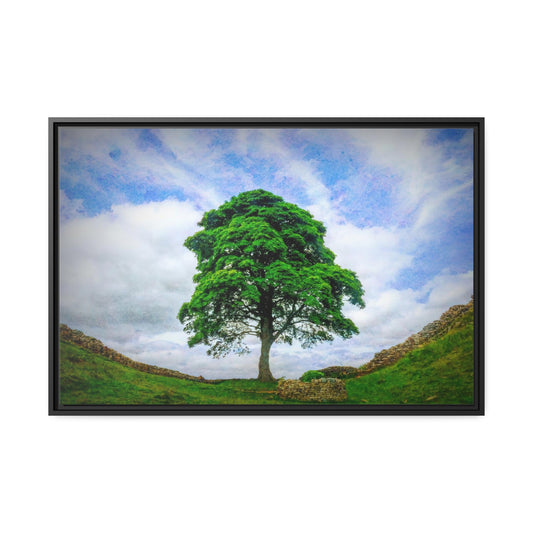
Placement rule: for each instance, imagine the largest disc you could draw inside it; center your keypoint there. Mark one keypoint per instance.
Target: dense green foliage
(311, 374)
(263, 270)
(439, 373)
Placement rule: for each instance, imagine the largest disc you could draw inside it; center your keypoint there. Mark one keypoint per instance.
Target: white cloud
(126, 273)
(377, 254)
(431, 179)
(447, 289)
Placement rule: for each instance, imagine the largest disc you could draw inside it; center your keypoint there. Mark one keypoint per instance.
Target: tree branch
(289, 322)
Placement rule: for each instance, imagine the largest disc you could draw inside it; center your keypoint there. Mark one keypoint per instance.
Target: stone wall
(318, 390)
(387, 357)
(91, 344)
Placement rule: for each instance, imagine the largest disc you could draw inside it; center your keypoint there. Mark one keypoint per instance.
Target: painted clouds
(397, 205)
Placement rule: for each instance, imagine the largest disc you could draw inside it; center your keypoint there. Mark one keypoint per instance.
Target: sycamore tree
(263, 270)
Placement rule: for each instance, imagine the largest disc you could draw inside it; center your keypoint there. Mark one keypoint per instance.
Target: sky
(397, 205)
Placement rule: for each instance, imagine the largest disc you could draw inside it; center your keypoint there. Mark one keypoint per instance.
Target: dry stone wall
(91, 344)
(387, 357)
(317, 390)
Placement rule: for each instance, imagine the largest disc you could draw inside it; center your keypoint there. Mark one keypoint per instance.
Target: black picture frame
(478, 406)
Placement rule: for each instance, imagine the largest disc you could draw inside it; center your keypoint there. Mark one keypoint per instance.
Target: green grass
(90, 379)
(439, 373)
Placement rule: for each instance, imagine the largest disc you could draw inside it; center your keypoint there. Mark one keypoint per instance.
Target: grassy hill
(91, 379)
(439, 373)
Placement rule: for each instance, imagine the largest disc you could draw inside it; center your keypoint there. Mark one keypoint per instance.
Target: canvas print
(265, 266)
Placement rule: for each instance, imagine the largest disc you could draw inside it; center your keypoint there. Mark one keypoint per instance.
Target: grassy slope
(439, 373)
(90, 379)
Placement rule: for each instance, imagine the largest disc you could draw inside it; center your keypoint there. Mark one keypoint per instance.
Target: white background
(409, 58)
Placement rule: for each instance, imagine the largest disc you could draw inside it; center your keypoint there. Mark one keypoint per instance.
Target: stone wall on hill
(317, 390)
(387, 357)
(91, 344)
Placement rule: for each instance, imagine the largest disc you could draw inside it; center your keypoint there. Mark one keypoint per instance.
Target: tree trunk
(266, 342)
(264, 366)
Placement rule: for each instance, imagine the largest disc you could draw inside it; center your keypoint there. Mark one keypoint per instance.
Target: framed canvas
(266, 266)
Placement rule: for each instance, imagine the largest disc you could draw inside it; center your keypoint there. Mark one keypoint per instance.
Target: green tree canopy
(263, 270)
